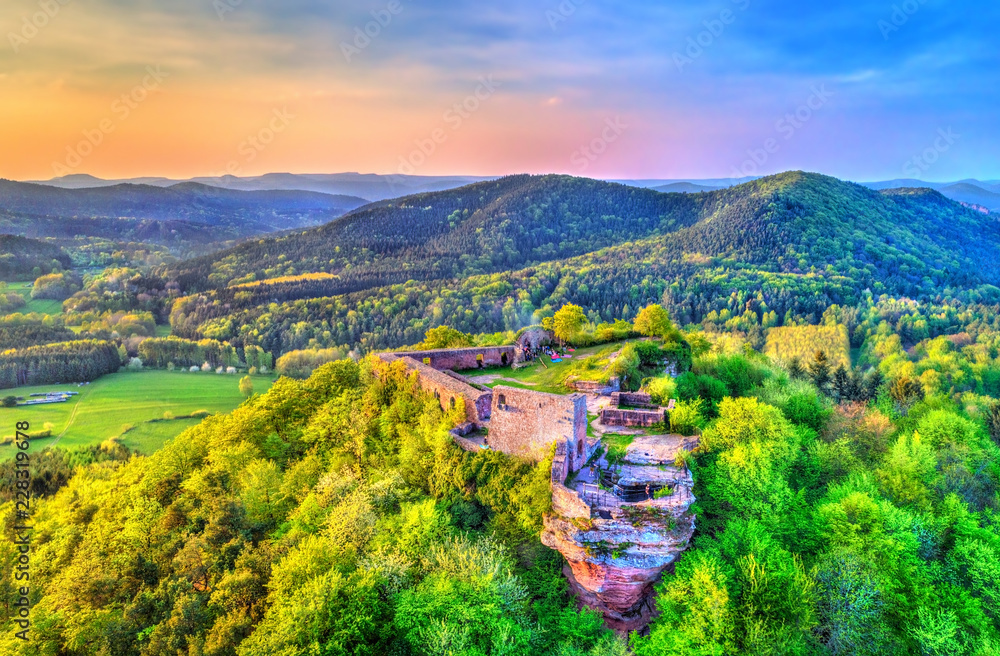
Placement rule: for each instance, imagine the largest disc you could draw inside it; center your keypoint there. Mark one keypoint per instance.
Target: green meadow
(40, 306)
(144, 409)
(550, 377)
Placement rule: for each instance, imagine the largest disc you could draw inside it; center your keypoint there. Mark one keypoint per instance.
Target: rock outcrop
(613, 564)
(616, 551)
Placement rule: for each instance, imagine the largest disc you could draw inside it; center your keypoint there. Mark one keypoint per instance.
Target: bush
(806, 410)
(686, 418)
(649, 353)
(662, 389)
(8, 401)
(691, 386)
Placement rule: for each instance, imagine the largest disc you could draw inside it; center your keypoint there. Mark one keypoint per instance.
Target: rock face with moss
(617, 551)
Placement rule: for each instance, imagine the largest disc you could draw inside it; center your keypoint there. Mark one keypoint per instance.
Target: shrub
(687, 418)
(662, 389)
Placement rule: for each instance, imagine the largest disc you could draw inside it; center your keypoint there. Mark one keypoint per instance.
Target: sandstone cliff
(616, 551)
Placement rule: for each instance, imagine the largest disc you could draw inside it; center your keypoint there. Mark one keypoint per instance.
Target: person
(648, 496)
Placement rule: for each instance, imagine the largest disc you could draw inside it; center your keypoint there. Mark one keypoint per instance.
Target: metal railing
(598, 498)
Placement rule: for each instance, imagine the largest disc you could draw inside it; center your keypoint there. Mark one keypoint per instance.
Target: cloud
(597, 59)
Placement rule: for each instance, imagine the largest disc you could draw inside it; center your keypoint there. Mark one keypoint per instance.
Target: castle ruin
(619, 525)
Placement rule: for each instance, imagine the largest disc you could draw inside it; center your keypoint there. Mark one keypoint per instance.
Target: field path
(72, 416)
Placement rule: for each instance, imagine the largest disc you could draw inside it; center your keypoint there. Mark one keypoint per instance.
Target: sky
(862, 90)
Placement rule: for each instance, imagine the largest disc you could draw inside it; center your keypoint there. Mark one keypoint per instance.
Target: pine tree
(795, 369)
(993, 421)
(842, 384)
(874, 384)
(820, 370)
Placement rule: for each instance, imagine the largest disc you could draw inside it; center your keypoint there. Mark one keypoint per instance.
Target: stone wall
(632, 399)
(466, 358)
(643, 418)
(595, 387)
(466, 444)
(535, 338)
(567, 503)
(448, 390)
(525, 423)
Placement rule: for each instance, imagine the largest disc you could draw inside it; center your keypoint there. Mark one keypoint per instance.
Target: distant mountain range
(184, 212)
(983, 194)
(373, 187)
(489, 255)
(370, 187)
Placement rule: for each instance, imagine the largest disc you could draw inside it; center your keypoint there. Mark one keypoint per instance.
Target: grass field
(550, 378)
(110, 406)
(40, 306)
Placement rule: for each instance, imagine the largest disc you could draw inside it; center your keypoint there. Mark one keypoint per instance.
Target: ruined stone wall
(633, 399)
(525, 423)
(594, 387)
(560, 465)
(466, 444)
(449, 390)
(643, 418)
(565, 502)
(466, 358)
(535, 338)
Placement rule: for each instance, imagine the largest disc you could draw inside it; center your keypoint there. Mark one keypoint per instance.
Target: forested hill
(187, 203)
(490, 226)
(26, 259)
(775, 250)
(794, 222)
(800, 223)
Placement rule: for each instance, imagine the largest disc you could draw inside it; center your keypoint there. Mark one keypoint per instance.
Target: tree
(842, 384)
(993, 421)
(874, 384)
(246, 386)
(819, 369)
(653, 321)
(697, 612)
(568, 322)
(444, 337)
(795, 369)
(904, 390)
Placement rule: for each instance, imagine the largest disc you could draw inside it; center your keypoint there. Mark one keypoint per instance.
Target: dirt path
(72, 415)
(486, 379)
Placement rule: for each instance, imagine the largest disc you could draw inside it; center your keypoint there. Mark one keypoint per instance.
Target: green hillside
(789, 245)
(26, 259)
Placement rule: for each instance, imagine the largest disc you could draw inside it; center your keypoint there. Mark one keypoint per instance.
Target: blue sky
(857, 90)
